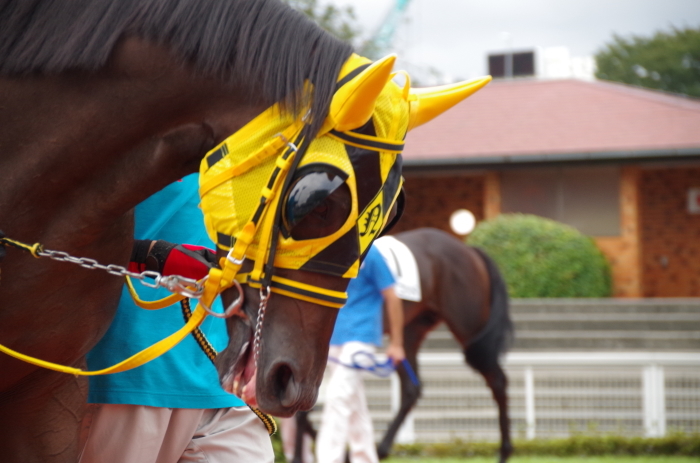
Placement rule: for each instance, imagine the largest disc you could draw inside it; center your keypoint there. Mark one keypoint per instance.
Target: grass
(535, 459)
(673, 448)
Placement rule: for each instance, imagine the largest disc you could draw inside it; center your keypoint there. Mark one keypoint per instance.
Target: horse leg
(483, 357)
(482, 352)
(304, 426)
(410, 393)
(40, 418)
(414, 333)
(498, 383)
(299, 439)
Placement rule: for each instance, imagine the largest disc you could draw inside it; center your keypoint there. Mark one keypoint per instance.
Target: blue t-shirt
(183, 377)
(360, 319)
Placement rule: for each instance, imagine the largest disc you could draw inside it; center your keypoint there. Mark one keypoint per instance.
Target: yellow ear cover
(428, 103)
(353, 103)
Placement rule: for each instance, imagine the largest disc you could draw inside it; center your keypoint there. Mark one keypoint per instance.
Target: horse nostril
(284, 385)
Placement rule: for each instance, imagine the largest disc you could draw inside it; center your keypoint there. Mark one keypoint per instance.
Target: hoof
(383, 452)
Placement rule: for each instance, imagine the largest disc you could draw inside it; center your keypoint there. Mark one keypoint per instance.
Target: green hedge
(671, 445)
(674, 444)
(543, 258)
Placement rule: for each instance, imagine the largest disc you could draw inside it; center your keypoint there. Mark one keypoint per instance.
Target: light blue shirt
(184, 377)
(361, 317)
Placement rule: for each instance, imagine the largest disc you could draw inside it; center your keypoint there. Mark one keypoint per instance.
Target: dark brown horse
(462, 287)
(103, 103)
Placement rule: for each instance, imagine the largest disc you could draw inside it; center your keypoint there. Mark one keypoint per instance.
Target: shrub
(543, 258)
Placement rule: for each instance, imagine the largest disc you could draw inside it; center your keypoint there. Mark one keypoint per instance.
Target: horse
(461, 286)
(102, 104)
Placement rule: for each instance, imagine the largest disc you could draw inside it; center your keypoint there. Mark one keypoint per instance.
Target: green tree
(667, 61)
(338, 21)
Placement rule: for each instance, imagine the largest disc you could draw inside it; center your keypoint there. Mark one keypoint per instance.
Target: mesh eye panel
(391, 113)
(328, 151)
(229, 206)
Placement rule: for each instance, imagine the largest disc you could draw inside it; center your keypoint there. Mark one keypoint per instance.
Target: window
(523, 64)
(586, 198)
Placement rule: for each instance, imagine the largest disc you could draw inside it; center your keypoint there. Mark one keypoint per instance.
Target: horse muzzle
(286, 373)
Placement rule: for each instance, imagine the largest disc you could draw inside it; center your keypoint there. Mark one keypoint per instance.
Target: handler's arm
(394, 309)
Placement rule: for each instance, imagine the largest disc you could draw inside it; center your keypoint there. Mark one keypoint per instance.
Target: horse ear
(353, 103)
(428, 103)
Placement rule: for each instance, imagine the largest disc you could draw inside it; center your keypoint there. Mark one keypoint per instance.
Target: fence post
(654, 400)
(529, 403)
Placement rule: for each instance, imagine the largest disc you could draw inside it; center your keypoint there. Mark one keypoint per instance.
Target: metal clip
(184, 286)
(234, 261)
(288, 143)
(232, 307)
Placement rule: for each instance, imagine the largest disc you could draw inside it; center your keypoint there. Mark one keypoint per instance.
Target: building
(621, 164)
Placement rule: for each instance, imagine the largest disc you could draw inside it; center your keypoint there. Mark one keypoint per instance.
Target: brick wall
(623, 251)
(430, 200)
(670, 236)
(656, 255)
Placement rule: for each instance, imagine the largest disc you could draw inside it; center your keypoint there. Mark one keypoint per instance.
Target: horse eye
(318, 205)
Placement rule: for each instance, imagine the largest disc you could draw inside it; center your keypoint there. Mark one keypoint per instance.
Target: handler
(358, 331)
(171, 409)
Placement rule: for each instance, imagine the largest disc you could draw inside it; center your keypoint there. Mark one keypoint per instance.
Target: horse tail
(496, 337)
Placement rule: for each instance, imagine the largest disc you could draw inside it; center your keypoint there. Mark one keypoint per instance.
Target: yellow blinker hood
(251, 180)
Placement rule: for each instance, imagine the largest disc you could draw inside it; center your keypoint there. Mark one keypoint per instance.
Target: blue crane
(380, 42)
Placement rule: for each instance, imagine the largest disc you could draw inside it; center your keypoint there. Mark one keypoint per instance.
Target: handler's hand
(396, 353)
(166, 258)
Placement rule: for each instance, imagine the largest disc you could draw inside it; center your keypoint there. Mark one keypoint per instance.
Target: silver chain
(264, 296)
(174, 283)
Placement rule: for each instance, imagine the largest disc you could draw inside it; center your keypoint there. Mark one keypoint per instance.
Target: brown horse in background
(462, 287)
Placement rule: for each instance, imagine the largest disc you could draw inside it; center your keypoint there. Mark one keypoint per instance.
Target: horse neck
(77, 152)
(84, 148)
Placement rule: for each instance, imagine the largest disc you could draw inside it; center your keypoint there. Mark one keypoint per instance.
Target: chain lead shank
(264, 296)
(174, 283)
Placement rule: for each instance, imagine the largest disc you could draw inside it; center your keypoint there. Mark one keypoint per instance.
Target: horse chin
(240, 380)
(236, 363)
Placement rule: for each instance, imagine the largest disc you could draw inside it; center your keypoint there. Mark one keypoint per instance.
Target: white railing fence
(550, 395)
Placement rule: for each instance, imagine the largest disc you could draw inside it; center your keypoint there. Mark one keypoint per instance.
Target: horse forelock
(264, 43)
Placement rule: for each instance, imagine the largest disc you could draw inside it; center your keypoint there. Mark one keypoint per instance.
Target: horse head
(293, 214)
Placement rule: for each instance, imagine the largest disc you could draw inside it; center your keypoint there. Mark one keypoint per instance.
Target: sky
(455, 36)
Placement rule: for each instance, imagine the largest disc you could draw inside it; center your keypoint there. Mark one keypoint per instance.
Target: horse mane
(265, 43)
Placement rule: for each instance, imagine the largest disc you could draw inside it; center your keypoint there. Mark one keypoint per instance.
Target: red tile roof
(549, 119)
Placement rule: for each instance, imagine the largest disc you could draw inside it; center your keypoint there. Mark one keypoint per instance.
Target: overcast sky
(454, 36)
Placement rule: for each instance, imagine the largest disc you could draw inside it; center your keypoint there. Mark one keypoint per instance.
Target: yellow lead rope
(152, 305)
(211, 290)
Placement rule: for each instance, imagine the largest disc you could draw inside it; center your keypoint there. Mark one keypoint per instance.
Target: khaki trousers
(140, 434)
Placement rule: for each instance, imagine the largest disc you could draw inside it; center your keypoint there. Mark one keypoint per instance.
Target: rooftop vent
(520, 64)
